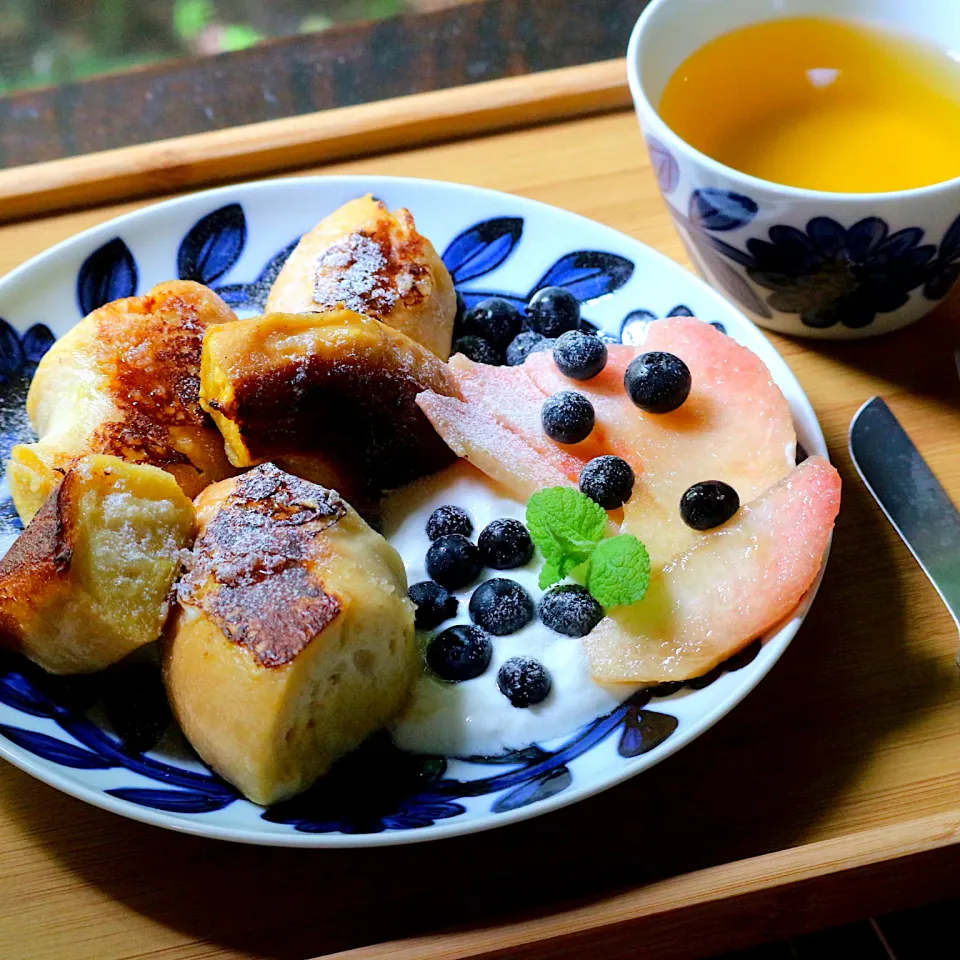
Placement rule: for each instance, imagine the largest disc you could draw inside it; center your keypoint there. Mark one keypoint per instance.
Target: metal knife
(910, 495)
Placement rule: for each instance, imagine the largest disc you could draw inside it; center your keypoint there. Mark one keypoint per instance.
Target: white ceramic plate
(235, 240)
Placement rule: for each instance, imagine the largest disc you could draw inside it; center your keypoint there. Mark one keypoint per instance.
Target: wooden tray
(832, 792)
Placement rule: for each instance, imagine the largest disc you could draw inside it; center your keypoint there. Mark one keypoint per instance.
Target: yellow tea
(823, 104)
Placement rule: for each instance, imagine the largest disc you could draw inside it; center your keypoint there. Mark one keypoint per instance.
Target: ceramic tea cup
(803, 262)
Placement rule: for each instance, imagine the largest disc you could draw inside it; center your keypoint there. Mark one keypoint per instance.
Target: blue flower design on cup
(945, 269)
(665, 166)
(826, 273)
(830, 275)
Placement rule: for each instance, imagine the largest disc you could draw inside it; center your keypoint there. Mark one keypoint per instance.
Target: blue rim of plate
(530, 782)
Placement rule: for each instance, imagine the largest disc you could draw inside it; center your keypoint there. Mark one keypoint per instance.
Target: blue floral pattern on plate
(376, 788)
(212, 245)
(109, 273)
(19, 356)
(420, 794)
(379, 789)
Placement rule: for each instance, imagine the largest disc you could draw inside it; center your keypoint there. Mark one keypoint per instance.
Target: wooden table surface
(857, 727)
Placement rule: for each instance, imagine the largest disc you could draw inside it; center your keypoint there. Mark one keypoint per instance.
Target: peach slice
(735, 426)
(730, 587)
(503, 456)
(508, 396)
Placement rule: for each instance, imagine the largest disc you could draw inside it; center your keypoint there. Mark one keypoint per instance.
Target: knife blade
(910, 495)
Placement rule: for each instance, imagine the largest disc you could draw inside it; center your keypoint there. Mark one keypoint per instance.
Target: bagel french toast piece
(293, 639)
(89, 579)
(336, 386)
(364, 258)
(125, 382)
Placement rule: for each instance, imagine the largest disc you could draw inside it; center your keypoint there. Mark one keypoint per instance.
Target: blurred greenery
(191, 16)
(44, 42)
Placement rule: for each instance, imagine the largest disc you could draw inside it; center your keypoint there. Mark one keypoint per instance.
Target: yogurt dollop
(473, 718)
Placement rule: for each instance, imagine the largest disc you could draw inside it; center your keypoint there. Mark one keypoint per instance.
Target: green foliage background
(44, 42)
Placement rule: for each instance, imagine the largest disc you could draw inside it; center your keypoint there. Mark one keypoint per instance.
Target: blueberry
(501, 606)
(449, 519)
(459, 653)
(570, 609)
(505, 544)
(523, 345)
(708, 504)
(496, 320)
(458, 330)
(524, 681)
(608, 480)
(478, 350)
(553, 310)
(434, 604)
(453, 561)
(657, 382)
(567, 417)
(579, 355)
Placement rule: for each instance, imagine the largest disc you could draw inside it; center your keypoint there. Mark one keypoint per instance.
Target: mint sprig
(619, 571)
(568, 527)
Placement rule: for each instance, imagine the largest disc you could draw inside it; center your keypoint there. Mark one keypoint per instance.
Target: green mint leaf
(550, 573)
(619, 571)
(565, 523)
(555, 570)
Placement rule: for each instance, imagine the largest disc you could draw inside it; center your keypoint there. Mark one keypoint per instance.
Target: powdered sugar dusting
(354, 273)
(249, 572)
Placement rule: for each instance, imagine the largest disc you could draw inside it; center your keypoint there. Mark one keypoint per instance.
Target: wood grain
(715, 909)
(344, 65)
(256, 149)
(852, 741)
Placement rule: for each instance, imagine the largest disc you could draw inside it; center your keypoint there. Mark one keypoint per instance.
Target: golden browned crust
(249, 571)
(370, 271)
(337, 384)
(89, 579)
(137, 439)
(125, 382)
(149, 349)
(364, 258)
(35, 559)
(293, 638)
